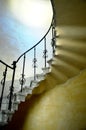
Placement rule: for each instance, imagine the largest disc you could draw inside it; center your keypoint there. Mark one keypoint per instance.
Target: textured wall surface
(62, 108)
(70, 12)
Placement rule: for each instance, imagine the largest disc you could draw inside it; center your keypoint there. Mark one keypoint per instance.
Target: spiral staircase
(56, 98)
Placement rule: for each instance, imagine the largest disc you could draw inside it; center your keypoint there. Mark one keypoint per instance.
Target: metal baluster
(22, 80)
(34, 63)
(53, 42)
(12, 87)
(45, 53)
(3, 86)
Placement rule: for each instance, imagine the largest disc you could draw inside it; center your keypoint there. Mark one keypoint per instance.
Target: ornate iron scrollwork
(3, 85)
(22, 80)
(34, 63)
(53, 41)
(2, 81)
(45, 53)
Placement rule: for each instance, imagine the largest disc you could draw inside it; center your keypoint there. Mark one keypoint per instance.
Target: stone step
(4, 105)
(5, 116)
(27, 90)
(33, 84)
(15, 105)
(46, 70)
(50, 62)
(20, 96)
(40, 77)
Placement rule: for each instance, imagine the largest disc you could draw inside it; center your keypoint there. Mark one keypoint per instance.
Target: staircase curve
(62, 84)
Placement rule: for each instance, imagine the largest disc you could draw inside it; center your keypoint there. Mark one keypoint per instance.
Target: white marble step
(15, 105)
(27, 90)
(50, 62)
(40, 77)
(20, 96)
(5, 103)
(5, 116)
(33, 84)
(46, 70)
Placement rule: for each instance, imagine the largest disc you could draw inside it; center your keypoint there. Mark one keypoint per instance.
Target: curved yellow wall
(62, 108)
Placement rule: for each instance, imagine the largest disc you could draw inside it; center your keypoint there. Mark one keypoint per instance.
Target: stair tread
(78, 62)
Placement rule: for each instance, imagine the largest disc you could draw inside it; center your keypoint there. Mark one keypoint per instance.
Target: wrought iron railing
(22, 80)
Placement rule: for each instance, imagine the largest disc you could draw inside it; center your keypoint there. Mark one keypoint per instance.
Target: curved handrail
(53, 18)
(35, 44)
(6, 64)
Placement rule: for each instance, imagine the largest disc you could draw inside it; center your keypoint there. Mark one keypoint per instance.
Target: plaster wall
(62, 108)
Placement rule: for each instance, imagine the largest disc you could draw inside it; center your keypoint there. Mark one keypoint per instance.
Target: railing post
(12, 87)
(22, 79)
(53, 42)
(45, 53)
(34, 63)
(3, 86)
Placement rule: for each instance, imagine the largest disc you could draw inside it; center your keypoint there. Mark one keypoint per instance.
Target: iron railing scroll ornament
(3, 85)
(53, 41)
(34, 63)
(12, 86)
(22, 80)
(4, 80)
(45, 53)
